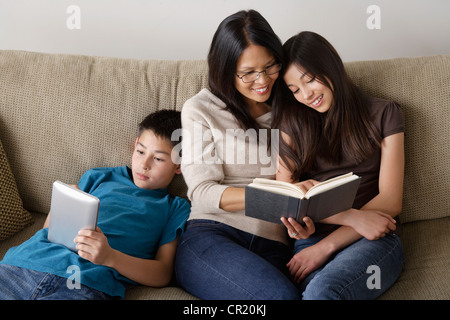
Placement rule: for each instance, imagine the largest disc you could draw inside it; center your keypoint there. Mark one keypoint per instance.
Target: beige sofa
(63, 114)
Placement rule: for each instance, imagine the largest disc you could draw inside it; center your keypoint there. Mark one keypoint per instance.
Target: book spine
(303, 210)
(293, 207)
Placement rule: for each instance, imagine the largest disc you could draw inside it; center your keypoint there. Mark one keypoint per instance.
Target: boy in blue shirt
(139, 225)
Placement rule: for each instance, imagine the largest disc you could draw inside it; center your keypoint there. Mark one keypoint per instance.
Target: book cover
(270, 206)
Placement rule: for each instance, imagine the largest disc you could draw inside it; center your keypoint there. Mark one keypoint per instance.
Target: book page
(277, 186)
(292, 190)
(330, 184)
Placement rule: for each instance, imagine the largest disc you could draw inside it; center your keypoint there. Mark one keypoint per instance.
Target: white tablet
(71, 210)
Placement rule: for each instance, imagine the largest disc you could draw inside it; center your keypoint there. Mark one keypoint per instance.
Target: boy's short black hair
(163, 123)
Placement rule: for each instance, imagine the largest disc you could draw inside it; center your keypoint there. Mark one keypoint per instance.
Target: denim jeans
(24, 284)
(363, 270)
(216, 261)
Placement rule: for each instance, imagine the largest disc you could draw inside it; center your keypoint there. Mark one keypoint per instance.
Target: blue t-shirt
(135, 221)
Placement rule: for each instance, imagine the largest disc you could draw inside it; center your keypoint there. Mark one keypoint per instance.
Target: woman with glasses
(223, 254)
(330, 127)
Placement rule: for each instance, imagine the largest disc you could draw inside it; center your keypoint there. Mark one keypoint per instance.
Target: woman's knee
(226, 270)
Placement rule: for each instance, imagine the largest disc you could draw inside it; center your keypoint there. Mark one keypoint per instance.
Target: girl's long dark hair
(346, 128)
(233, 36)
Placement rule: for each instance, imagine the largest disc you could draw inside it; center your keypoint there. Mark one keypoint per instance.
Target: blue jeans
(216, 261)
(363, 270)
(24, 284)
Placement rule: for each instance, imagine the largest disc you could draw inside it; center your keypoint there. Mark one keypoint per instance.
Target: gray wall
(182, 29)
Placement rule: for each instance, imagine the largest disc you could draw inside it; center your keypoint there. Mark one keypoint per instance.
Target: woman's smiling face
(255, 59)
(307, 89)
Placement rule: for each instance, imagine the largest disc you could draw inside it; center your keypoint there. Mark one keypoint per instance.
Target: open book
(272, 199)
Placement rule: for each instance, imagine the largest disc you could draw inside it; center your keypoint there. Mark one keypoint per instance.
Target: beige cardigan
(218, 154)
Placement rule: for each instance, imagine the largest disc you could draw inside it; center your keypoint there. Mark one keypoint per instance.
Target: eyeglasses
(253, 76)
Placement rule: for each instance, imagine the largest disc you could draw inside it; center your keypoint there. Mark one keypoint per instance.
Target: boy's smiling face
(152, 164)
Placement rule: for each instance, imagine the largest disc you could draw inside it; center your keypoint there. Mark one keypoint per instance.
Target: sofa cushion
(24, 234)
(78, 112)
(425, 272)
(421, 87)
(13, 217)
(139, 292)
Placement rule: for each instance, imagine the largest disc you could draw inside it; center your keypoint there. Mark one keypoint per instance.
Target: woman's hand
(295, 229)
(93, 246)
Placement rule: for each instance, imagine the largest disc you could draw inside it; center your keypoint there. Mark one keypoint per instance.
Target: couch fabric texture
(63, 114)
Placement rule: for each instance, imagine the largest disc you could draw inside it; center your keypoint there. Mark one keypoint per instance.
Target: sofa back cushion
(421, 86)
(63, 114)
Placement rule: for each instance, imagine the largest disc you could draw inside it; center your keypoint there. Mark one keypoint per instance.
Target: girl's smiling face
(307, 89)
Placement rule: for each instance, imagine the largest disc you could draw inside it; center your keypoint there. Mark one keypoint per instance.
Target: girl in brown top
(329, 127)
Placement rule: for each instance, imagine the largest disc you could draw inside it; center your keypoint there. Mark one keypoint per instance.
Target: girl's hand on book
(296, 230)
(306, 185)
